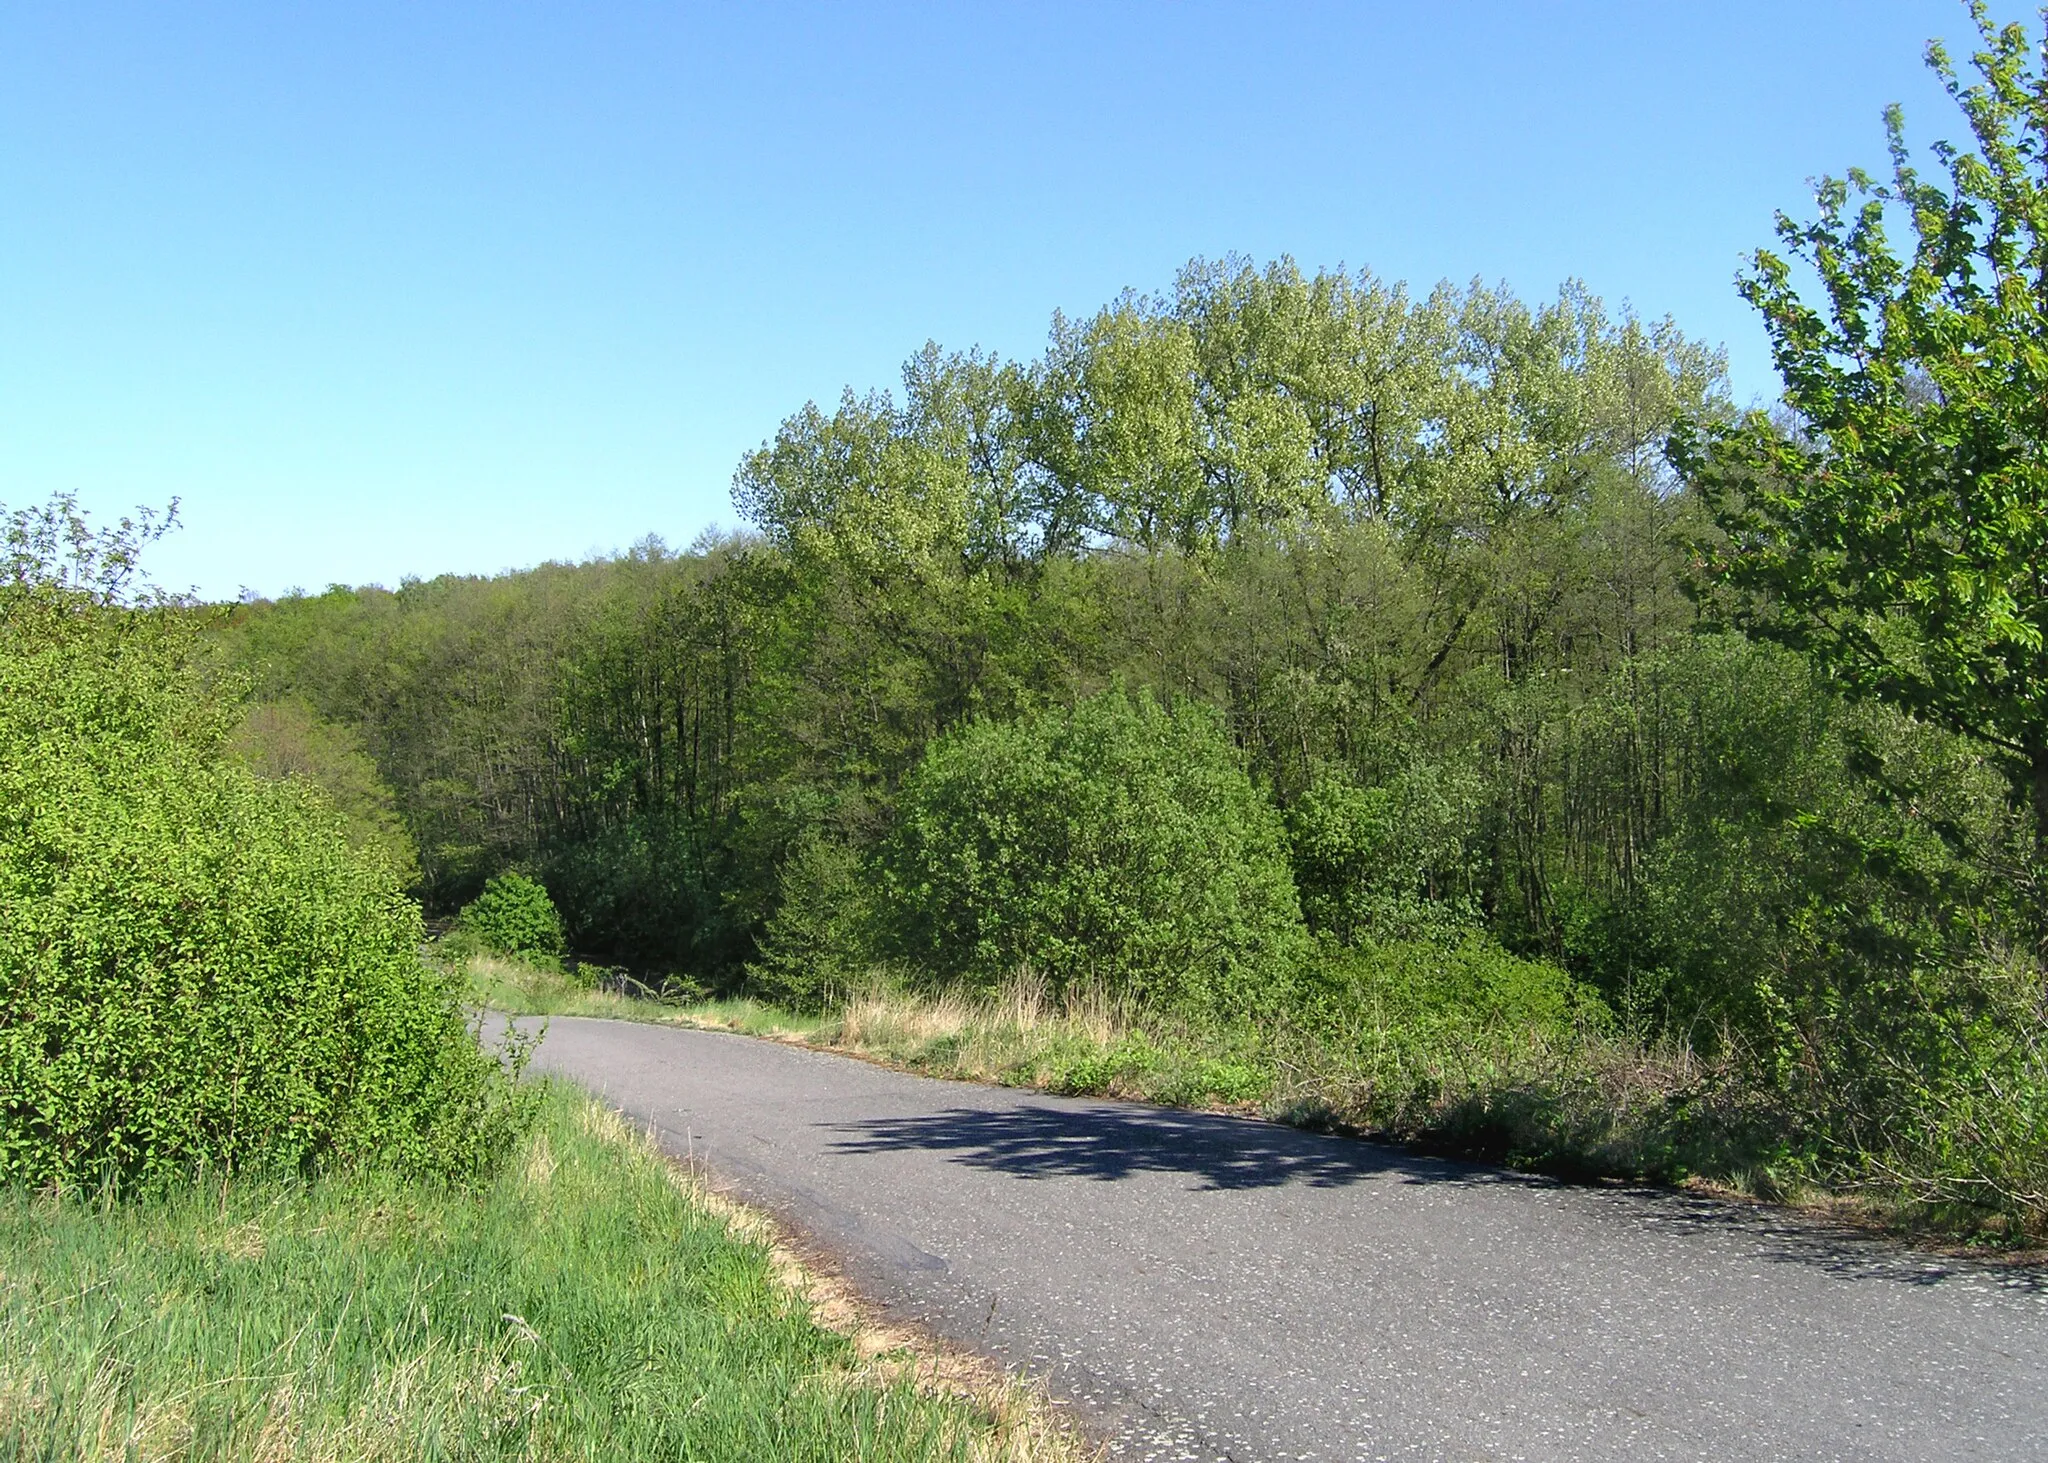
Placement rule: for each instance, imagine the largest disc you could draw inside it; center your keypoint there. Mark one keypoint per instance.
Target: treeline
(1421, 562)
(1427, 543)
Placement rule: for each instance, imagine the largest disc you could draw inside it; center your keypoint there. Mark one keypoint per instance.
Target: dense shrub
(1456, 1039)
(637, 893)
(1118, 843)
(196, 966)
(283, 739)
(1812, 849)
(820, 943)
(1432, 992)
(1836, 914)
(1387, 861)
(514, 916)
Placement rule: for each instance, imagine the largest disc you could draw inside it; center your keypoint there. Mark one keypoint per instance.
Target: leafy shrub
(819, 943)
(196, 967)
(514, 916)
(1430, 995)
(1385, 861)
(1118, 844)
(1423, 1037)
(1469, 982)
(1084, 1068)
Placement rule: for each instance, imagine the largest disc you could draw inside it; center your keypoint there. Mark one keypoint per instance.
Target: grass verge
(519, 988)
(1577, 1102)
(591, 1302)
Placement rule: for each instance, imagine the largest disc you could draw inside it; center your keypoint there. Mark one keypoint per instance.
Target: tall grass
(584, 1305)
(1082, 1042)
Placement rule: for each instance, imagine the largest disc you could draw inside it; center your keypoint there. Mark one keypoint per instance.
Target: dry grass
(1017, 1017)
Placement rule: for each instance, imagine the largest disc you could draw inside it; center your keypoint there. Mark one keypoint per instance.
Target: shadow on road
(1110, 1143)
(1785, 1236)
(1113, 1143)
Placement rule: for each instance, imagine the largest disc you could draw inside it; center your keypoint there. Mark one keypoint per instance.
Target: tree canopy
(1894, 527)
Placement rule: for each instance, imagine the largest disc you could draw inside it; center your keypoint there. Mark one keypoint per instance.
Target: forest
(1420, 562)
(1272, 653)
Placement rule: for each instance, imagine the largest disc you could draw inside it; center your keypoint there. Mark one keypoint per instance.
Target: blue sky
(395, 290)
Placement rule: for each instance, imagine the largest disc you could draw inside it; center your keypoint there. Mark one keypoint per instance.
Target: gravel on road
(1207, 1287)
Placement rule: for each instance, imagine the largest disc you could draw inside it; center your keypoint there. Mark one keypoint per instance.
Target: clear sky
(386, 290)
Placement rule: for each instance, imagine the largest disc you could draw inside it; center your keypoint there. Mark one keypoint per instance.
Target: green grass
(521, 988)
(584, 1304)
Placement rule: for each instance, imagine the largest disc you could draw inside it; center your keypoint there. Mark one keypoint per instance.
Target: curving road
(1209, 1287)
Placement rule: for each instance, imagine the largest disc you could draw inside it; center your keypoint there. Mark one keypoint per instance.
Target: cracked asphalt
(1209, 1287)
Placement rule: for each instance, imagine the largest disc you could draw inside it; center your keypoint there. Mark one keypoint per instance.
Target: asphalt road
(1210, 1287)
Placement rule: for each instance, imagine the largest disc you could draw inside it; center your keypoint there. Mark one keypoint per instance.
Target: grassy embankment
(590, 1302)
(1576, 1100)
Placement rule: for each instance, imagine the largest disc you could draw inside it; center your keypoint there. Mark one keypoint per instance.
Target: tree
(1117, 843)
(1895, 530)
(280, 740)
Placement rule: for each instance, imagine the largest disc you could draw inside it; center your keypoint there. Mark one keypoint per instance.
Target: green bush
(196, 967)
(1437, 993)
(283, 739)
(1425, 1037)
(819, 943)
(1386, 861)
(514, 916)
(1117, 844)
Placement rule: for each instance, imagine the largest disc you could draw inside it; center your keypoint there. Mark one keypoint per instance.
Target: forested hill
(1421, 559)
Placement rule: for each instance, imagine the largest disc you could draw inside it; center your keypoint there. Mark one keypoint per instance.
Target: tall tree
(1896, 530)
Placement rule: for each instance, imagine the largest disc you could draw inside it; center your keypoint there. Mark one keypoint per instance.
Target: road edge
(1029, 1425)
